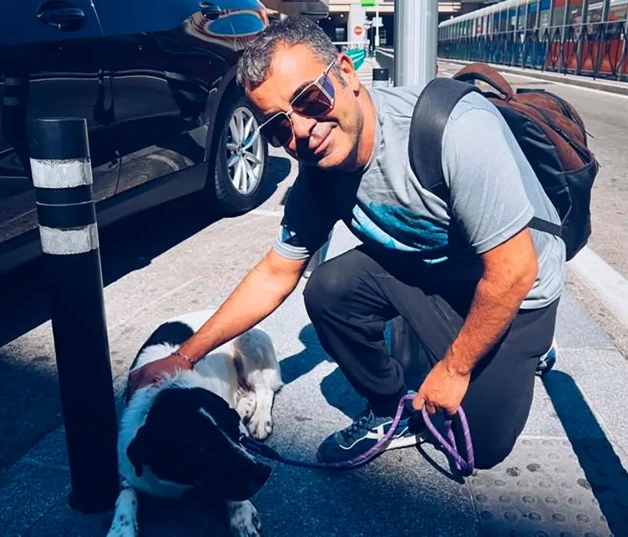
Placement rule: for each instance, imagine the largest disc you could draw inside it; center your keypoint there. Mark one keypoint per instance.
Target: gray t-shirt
(492, 188)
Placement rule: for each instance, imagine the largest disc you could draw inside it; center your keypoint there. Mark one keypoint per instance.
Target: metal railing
(597, 50)
(348, 45)
(356, 51)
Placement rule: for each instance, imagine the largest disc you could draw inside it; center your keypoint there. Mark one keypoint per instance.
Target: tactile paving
(553, 488)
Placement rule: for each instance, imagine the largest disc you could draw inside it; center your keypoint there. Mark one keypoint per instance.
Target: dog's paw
(260, 426)
(244, 520)
(246, 404)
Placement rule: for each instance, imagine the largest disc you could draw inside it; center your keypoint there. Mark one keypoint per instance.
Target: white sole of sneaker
(404, 441)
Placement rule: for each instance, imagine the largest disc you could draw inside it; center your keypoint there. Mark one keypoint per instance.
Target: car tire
(239, 180)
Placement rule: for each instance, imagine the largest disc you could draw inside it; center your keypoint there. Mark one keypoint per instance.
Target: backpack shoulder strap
(435, 104)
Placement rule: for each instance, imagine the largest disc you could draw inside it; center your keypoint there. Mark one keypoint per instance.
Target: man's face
(329, 141)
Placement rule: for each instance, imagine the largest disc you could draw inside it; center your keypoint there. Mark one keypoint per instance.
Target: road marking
(607, 284)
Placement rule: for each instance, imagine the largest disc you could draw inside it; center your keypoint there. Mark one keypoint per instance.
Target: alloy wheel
(245, 151)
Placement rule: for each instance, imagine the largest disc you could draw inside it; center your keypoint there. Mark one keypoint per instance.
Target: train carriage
(586, 37)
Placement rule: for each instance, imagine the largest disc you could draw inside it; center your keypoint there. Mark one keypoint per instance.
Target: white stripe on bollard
(61, 173)
(68, 241)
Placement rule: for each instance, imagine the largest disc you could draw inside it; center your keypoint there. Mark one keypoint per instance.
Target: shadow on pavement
(29, 403)
(334, 387)
(605, 474)
(300, 364)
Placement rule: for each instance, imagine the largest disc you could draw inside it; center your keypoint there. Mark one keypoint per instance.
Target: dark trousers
(351, 297)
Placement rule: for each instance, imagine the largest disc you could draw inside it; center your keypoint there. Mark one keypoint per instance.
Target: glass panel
(521, 19)
(575, 12)
(618, 13)
(479, 26)
(559, 12)
(503, 20)
(512, 19)
(594, 11)
(531, 21)
(544, 19)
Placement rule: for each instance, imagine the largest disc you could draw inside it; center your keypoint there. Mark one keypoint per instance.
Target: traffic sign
(358, 30)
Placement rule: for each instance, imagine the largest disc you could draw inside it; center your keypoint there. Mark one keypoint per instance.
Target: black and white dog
(183, 432)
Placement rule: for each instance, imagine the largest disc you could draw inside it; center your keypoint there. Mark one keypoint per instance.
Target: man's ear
(348, 72)
(138, 449)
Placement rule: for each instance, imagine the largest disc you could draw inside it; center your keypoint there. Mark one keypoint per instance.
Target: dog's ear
(220, 413)
(244, 475)
(138, 450)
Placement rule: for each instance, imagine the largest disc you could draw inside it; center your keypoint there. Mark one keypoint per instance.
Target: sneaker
(366, 430)
(547, 361)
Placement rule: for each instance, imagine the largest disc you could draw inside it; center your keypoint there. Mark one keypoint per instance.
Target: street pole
(376, 23)
(416, 40)
(62, 176)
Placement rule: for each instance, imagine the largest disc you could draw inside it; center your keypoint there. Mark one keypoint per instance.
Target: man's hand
(150, 373)
(442, 389)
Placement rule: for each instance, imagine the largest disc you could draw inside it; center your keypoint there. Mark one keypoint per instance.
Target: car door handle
(61, 16)
(210, 10)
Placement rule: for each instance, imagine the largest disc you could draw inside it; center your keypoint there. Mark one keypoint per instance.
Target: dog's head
(191, 437)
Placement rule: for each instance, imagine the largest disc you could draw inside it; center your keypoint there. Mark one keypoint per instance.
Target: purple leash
(462, 465)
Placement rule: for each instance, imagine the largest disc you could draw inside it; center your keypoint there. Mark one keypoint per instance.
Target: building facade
(341, 27)
(356, 21)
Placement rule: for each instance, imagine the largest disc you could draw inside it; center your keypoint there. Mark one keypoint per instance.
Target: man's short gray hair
(255, 62)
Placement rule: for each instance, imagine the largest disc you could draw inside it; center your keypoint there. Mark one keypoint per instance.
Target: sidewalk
(566, 477)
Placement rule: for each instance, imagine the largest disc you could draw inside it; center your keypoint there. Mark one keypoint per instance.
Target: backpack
(548, 129)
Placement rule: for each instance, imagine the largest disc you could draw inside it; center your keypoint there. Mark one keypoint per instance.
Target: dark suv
(156, 82)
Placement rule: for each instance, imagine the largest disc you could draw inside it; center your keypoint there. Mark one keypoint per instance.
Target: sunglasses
(314, 101)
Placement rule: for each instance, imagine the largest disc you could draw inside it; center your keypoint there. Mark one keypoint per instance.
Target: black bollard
(381, 78)
(62, 176)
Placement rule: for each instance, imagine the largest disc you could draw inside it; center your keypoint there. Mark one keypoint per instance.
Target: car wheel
(241, 162)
